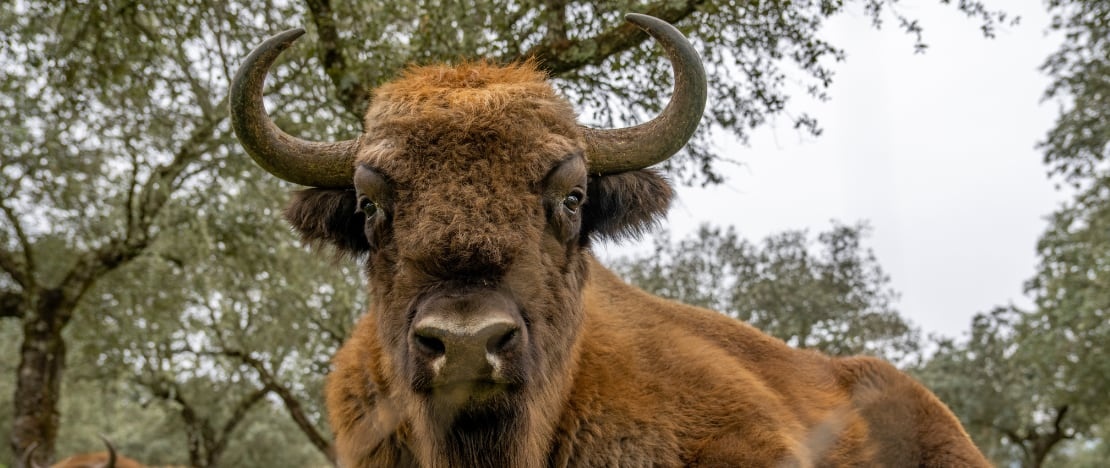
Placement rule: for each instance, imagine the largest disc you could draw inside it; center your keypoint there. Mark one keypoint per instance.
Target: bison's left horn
(299, 161)
(28, 459)
(626, 149)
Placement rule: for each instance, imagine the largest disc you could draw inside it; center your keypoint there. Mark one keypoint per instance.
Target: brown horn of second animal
(111, 453)
(627, 149)
(28, 461)
(316, 164)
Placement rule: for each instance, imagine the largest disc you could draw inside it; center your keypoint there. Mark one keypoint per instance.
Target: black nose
(461, 341)
(472, 336)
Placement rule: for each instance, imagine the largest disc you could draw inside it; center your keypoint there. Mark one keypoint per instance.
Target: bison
(108, 459)
(495, 338)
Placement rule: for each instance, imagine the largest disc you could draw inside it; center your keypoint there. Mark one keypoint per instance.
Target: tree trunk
(38, 383)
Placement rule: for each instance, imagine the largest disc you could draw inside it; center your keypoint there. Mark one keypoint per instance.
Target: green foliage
(1031, 386)
(1072, 293)
(830, 295)
(241, 287)
(980, 382)
(1078, 144)
(1089, 452)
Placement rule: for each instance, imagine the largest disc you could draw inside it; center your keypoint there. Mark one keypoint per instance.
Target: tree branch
(556, 21)
(348, 87)
(1016, 439)
(24, 273)
(557, 56)
(336, 336)
(1061, 412)
(237, 416)
(152, 197)
(296, 411)
(11, 304)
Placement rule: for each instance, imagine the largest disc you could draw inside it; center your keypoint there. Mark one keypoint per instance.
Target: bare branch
(560, 55)
(152, 197)
(237, 415)
(132, 184)
(24, 273)
(336, 336)
(1061, 412)
(350, 90)
(156, 191)
(292, 404)
(1016, 439)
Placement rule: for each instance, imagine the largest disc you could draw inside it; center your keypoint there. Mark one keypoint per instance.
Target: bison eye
(573, 200)
(368, 207)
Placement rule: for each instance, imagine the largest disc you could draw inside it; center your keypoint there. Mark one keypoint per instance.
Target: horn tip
(292, 33)
(285, 38)
(641, 19)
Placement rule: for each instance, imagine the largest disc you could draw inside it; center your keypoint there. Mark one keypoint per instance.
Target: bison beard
(494, 338)
(483, 436)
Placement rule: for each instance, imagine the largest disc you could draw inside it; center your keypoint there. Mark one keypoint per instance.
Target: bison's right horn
(299, 161)
(626, 149)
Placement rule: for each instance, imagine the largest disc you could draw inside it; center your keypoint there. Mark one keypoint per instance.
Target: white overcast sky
(936, 151)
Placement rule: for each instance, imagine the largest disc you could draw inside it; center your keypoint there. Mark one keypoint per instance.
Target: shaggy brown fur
(96, 460)
(466, 183)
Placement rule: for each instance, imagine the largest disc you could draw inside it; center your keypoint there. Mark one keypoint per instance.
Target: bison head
(471, 196)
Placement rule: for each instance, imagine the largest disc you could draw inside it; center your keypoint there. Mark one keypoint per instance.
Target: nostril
(503, 343)
(429, 345)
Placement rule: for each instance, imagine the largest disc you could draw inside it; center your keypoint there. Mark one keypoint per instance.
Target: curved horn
(111, 453)
(626, 149)
(288, 157)
(27, 460)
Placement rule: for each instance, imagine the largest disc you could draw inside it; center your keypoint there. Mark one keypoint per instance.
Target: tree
(1031, 385)
(1004, 389)
(1078, 145)
(1026, 383)
(1047, 368)
(113, 121)
(258, 318)
(1070, 287)
(836, 300)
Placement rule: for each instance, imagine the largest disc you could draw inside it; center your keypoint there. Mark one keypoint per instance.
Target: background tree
(113, 131)
(829, 295)
(253, 324)
(1031, 385)
(1076, 148)
(997, 381)
(1071, 285)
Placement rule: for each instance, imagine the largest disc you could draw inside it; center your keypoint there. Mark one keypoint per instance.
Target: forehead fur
(472, 86)
(467, 147)
(475, 102)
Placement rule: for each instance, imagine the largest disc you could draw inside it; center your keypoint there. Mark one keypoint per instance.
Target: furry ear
(328, 217)
(625, 205)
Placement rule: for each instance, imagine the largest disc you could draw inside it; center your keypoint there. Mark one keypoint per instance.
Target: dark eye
(573, 200)
(368, 207)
